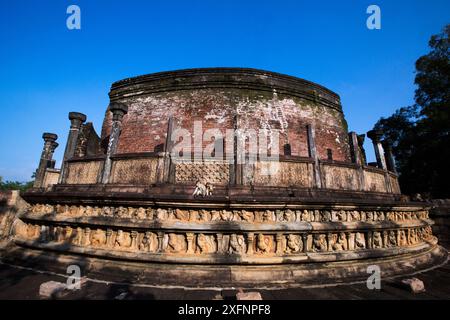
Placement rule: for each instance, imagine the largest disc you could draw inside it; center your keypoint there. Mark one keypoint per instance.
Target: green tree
(420, 133)
(15, 185)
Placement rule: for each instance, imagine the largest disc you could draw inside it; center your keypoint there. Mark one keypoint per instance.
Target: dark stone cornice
(240, 78)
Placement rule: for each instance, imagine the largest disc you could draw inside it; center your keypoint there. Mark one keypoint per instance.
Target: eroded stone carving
(319, 243)
(402, 241)
(77, 240)
(360, 241)
(218, 243)
(263, 243)
(391, 239)
(213, 172)
(203, 189)
(339, 242)
(377, 240)
(286, 215)
(122, 239)
(149, 242)
(176, 243)
(206, 243)
(98, 238)
(182, 215)
(251, 216)
(244, 215)
(237, 244)
(294, 243)
(161, 214)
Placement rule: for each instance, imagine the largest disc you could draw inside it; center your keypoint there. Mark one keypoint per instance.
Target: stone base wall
(51, 177)
(249, 235)
(146, 169)
(440, 214)
(84, 172)
(135, 171)
(230, 276)
(11, 205)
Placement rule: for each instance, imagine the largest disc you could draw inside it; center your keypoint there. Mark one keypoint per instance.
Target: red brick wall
(145, 125)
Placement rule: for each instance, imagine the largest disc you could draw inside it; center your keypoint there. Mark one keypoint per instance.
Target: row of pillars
(383, 149)
(76, 121)
(383, 153)
(46, 160)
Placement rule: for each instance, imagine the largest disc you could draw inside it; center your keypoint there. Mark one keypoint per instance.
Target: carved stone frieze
(199, 243)
(238, 215)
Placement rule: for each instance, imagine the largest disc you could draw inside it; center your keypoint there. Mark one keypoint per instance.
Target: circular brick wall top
(204, 78)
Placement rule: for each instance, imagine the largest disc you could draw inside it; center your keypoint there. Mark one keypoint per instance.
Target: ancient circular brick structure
(259, 100)
(125, 200)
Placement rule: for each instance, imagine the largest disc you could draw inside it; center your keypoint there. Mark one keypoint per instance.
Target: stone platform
(131, 203)
(20, 283)
(315, 269)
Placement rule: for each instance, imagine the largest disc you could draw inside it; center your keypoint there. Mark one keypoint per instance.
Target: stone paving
(17, 283)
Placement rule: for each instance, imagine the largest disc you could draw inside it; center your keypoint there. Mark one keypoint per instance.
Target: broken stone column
(76, 121)
(118, 110)
(313, 154)
(190, 243)
(361, 138)
(237, 168)
(375, 136)
(250, 239)
(358, 156)
(354, 147)
(390, 160)
(46, 161)
(305, 242)
(279, 247)
(167, 165)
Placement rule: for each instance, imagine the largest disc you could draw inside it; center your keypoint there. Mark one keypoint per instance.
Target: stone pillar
(279, 247)
(313, 154)
(220, 243)
(349, 243)
(87, 237)
(358, 156)
(160, 241)
(375, 136)
(369, 238)
(50, 145)
(109, 233)
(118, 110)
(329, 242)
(354, 147)
(190, 243)
(305, 242)
(390, 160)
(44, 234)
(134, 238)
(79, 237)
(168, 166)
(250, 239)
(361, 138)
(237, 167)
(76, 121)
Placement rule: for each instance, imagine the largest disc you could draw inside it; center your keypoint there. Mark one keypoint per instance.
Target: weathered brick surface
(145, 126)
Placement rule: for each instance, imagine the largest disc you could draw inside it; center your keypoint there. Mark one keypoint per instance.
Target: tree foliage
(15, 185)
(420, 133)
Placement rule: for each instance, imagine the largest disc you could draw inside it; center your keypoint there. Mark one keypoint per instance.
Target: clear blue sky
(48, 70)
